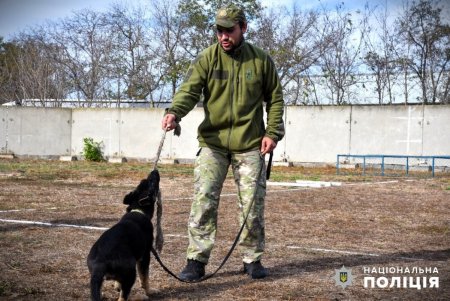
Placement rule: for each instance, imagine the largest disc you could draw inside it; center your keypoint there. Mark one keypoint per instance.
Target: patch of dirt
(310, 233)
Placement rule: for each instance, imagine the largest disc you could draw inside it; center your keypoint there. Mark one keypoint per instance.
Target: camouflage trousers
(210, 171)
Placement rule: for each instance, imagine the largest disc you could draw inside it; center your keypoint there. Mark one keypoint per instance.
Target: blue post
(407, 165)
(432, 164)
(337, 165)
(364, 165)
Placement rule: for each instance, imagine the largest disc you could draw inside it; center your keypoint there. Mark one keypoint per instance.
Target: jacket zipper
(231, 103)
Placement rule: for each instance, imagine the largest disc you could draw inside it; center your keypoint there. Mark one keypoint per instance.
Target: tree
(29, 73)
(135, 53)
(86, 47)
(296, 40)
(9, 90)
(340, 63)
(381, 58)
(37, 73)
(198, 17)
(131, 58)
(429, 39)
(170, 55)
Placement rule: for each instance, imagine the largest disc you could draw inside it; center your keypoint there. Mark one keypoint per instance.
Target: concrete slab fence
(313, 134)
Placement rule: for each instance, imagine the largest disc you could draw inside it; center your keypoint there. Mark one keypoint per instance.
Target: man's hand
(267, 145)
(168, 122)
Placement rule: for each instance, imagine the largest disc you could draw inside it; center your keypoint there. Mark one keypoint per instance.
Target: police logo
(343, 277)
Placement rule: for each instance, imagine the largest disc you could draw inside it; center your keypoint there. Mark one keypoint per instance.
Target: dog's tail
(159, 241)
(96, 284)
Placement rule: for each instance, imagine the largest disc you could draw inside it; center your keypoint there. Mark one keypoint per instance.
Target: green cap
(229, 16)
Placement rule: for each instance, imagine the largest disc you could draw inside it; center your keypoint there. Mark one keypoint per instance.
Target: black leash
(165, 268)
(220, 266)
(269, 166)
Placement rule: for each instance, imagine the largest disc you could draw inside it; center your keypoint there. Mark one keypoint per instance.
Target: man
(233, 78)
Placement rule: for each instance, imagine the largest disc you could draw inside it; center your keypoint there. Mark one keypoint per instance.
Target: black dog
(115, 255)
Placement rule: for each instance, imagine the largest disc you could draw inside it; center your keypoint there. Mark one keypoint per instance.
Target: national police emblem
(343, 277)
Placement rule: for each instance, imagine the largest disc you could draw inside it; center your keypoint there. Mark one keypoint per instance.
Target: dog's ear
(128, 198)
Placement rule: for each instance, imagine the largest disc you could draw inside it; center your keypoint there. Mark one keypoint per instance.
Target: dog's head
(144, 198)
(145, 195)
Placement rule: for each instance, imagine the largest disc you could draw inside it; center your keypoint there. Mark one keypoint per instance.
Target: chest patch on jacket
(249, 74)
(220, 74)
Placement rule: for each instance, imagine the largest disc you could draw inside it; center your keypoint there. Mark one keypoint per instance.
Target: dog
(127, 245)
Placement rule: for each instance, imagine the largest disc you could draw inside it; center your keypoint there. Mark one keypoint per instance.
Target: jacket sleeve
(190, 91)
(274, 102)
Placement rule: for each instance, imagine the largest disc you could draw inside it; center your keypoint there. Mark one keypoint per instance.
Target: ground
(371, 225)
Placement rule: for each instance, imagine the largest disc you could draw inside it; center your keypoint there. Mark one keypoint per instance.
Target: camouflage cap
(229, 16)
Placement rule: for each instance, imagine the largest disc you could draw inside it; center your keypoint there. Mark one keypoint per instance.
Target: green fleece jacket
(233, 88)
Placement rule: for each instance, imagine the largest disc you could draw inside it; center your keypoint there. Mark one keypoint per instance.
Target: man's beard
(235, 47)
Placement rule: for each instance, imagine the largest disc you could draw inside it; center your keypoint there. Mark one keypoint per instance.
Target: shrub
(92, 150)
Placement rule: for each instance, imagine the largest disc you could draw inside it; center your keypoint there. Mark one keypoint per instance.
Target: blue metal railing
(382, 158)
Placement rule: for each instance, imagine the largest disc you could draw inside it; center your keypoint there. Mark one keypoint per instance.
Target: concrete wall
(35, 132)
(436, 131)
(133, 133)
(387, 130)
(313, 134)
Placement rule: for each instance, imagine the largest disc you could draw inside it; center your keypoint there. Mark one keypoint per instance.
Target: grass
(87, 171)
(53, 170)
(57, 170)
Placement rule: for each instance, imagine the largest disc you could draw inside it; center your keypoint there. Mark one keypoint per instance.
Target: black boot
(194, 270)
(255, 270)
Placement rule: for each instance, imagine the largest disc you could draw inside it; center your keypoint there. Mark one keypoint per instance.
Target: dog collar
(138, 210)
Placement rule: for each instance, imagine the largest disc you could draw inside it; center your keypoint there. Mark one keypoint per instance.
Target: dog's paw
(139, 297)
(117, 286)
(145, 287)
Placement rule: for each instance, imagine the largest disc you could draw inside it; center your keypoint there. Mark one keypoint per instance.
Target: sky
(17, 15)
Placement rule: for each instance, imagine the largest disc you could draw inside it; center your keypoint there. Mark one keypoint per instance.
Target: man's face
(230, 38)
